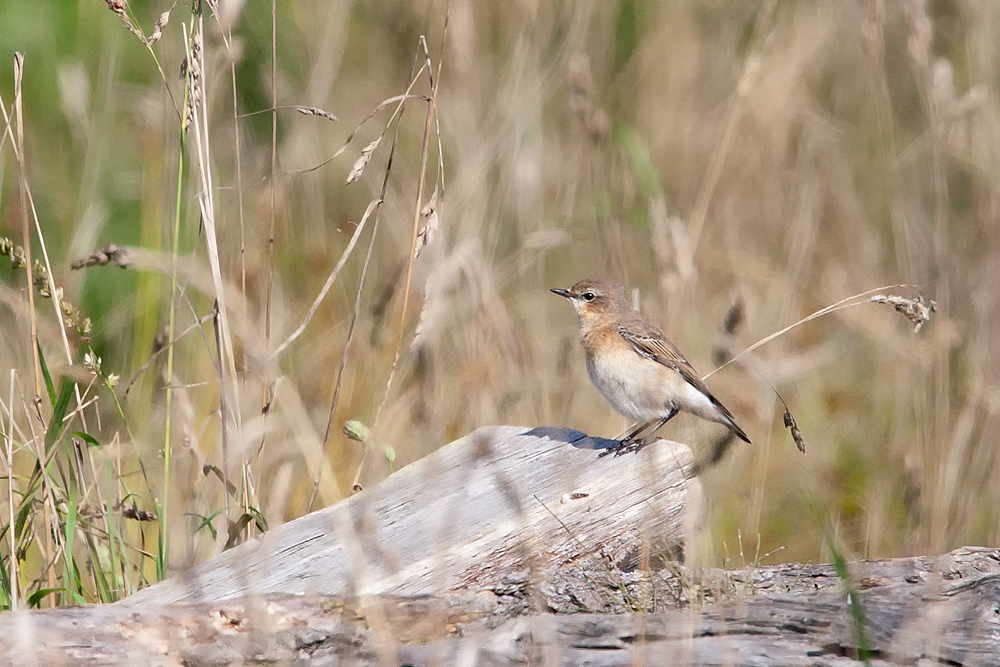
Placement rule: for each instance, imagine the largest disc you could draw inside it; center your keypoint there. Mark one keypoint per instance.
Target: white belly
(645, 390)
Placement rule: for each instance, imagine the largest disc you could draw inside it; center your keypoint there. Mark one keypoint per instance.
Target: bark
(913, 611)
(488, 507)
(521, 547)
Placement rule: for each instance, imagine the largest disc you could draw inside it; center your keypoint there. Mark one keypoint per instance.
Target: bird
(637, 369)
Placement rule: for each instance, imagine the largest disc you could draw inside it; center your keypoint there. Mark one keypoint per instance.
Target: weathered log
(485, 509)
(517, 546)
(913, 611)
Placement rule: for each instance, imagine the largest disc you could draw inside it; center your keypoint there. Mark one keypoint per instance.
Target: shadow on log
(520, 547)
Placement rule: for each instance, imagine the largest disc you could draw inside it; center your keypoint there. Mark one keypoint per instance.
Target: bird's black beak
(561, 292)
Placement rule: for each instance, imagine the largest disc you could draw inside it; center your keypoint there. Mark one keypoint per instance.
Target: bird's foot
(624, 446)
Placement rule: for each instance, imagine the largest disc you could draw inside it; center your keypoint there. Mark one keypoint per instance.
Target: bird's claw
(625, 446)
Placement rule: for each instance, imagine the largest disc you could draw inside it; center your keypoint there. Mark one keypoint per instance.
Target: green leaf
(71, 574)
(206, 522)
(60, 407)
(24, 511)
(35, 598)
(104, 591)
(55, 429)
(6, 602)
(258, 519)
(87, 438)
(49, 387)
(855, 603)
(118, 585)
(236, 528)
(161, 545)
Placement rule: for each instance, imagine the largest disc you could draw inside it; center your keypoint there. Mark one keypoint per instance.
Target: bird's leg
(630, 443)
(670, 415)
(636, 431)
(626, 442)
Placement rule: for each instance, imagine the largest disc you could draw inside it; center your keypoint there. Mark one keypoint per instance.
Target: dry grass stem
(26, 226)
(329, 280)
(12, 535)
(418, 207)
(398, 100)
(345, 356)
(855, 300)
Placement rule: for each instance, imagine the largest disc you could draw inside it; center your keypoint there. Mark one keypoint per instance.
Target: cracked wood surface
(492, 505)
(916, 611)
(518, 546)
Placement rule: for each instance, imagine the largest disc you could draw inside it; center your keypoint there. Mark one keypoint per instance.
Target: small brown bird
(635, 366)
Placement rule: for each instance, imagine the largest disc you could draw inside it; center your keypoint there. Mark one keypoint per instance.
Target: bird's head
(595, 300)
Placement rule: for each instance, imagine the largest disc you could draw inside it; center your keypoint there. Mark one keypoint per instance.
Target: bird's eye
(589, 296)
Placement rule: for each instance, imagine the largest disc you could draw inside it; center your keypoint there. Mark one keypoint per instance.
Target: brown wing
(650, 342)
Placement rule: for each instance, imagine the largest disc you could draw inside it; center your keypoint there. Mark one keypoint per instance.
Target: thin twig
(398, 115)
(265, 397)
(329, 281)
(222, 404)
(13, 576)
(224, 340)
(162, 553)
(200, 322)
(401, 99)
(418, 205)
(22, 180)
(239, 169)
(843, 303)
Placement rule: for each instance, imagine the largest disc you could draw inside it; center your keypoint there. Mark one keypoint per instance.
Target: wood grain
(916, 611)
(518, 546)
(493, 506)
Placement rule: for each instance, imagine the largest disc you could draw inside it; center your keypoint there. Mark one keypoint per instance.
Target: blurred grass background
(784, 153)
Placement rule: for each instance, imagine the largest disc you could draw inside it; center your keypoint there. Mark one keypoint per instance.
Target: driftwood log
(912, 611)
(488, 553)
(493, 505)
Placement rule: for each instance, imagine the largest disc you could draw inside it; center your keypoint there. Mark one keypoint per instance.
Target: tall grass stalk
(163, 508)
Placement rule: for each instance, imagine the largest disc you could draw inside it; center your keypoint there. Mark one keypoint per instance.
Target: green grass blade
(71, 581)
(55, 430)
(49, 387)
(6, 598)
(36, 598)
